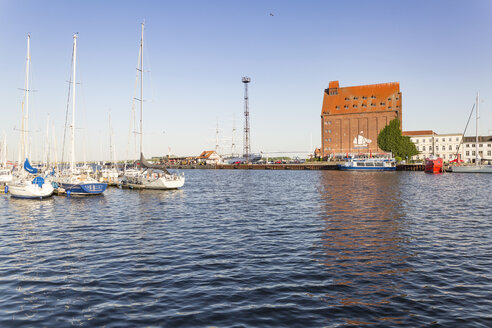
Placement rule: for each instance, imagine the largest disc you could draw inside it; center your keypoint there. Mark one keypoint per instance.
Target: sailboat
(27, 183)
(74, 181)
(110, 174)
(477, 168)
(5, 172)
(149, 176)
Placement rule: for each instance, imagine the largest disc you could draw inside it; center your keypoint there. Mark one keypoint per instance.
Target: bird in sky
(271, 14)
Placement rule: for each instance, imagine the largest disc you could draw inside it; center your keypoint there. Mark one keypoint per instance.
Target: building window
(347, 99)
(356, 98)
(389, 107)
(450, 147)
(417, 148)
(397, 106)
(329, 122)
(345, 106)
(373, 97)
(443, 139)
(337, 107)
(329, 131)
(473, 153)
(444, 156)
(373, 104)
(354, 105)
(489, 152)
(329, 139)
(489, 145)
(417, 141)
(481, 145)
(467, 153)
(364, 97)
(467, 145)
(443, 147)
(449, 139)
(457, 147)
(423, 148)
(381, 103)
(437, 148)
(364, 105)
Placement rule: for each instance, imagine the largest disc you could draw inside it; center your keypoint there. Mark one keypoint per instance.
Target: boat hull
(433, 165)
(31, 191)
(90, 188)
(368, 164)
(162, 183)
(351, 168)
(472, 169)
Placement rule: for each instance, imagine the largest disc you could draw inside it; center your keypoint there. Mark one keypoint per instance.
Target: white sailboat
(149, 176)
(478, 167)
(110, 174)
(5, 172)
(74, 181)
(27, 184)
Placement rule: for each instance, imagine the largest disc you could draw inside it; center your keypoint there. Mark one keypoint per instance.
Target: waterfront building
(446, 146)
(352, 117)
(484, 148)
(209, 157)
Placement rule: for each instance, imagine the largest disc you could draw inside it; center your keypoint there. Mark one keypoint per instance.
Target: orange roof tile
(418, 133)
(356, 99)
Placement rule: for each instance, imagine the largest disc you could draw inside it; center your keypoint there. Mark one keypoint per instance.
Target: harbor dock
(302, 166)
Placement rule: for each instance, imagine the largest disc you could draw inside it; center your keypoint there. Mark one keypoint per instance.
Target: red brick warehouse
(352, 117)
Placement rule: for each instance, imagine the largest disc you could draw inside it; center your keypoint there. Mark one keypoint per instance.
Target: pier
(304, 166)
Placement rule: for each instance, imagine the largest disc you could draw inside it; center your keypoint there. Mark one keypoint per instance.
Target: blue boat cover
(39, 181)
(29, 168)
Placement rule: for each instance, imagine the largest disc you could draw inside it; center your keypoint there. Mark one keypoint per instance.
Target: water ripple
(254, 249)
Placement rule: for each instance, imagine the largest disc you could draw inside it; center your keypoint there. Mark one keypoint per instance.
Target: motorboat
(368, 164)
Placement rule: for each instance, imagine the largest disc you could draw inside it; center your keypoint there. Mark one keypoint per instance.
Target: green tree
(391, 140)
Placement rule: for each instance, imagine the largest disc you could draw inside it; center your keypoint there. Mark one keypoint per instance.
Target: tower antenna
(246, 144)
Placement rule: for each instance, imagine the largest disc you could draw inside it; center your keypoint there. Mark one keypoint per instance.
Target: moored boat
(27, 183)
(368, 164)
(77, 181)
(433, 165)
(149, 176)
(27, 189)
(478, 167)
(5, 176)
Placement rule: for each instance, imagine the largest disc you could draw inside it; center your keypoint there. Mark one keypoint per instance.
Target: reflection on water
(364, 254)
(238, 248)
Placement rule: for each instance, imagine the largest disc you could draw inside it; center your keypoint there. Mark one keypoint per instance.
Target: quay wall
(304, 166)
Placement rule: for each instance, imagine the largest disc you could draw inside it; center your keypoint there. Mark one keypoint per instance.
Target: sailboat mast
(110, 141)
(141, 90)
(72, 127)
(25, 129)
(477, 115)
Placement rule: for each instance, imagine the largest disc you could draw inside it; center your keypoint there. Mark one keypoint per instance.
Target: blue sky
(197, 52)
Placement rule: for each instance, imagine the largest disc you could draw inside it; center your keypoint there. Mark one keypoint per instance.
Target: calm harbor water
(238, 248)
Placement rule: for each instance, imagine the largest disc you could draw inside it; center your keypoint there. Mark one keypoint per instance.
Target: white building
(209, 157)
(446, 146)
(484, 149)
